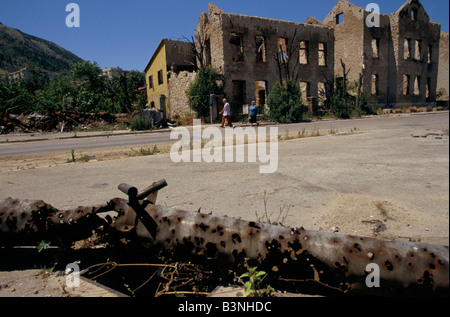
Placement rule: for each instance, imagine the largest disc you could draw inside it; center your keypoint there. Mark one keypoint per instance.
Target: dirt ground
(406, 198)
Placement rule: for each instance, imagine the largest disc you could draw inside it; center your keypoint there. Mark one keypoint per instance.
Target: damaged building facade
(167, 76)
(398, 62)
(398, 59)
(253, 53)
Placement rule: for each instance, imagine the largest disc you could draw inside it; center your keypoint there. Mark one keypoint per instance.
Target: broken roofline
(402, 7)
(213, 9)
(158, 49)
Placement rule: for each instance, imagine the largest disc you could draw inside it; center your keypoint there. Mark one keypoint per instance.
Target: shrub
(200, 89)
(285, 103)
(141, 123)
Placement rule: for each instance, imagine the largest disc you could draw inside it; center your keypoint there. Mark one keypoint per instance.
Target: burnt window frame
(261, 49)
(303, 51)
(324, 52)
(236, 42)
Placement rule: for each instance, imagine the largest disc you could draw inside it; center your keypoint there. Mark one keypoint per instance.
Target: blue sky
(126, 33)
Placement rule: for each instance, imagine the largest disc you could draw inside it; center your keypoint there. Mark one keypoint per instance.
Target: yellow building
(170, 56)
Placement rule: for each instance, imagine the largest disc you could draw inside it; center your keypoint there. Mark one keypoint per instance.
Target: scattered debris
(59, 121)
(379, 225)
(437, 136)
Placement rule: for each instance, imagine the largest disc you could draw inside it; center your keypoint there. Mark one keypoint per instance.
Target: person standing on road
(226, 114)
(253, 113)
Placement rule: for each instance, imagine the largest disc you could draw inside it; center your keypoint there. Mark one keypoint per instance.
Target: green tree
(91, 92)
(285, 103)
(57, 95)
(14, 98)
(200, 89)
(124, 89)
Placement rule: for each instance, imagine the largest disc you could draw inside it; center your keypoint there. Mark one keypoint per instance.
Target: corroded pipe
(336, 261)
(25, 222)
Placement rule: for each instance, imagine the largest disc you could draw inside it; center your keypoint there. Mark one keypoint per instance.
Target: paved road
(335, 181)
(49, 143)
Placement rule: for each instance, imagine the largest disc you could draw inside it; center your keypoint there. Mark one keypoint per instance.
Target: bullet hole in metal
(236, 238)
(203, 227)
(253, 224)
(211, 250)
(388, 265)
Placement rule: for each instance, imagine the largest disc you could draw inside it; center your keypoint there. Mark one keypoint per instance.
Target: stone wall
(381, 49)
(243, 50)
(443, 82)
(178, 83)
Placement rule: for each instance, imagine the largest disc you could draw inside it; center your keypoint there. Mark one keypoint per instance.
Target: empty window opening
(375, 81)
(260, 93)
(418, 50)
(339, 18)
(428, 89)
(406, 85)
(430, 52)
(322, 54)
(150, 82)
(375, 48)
(322, 92)
(238, 95)
(414, 14)
(407, 49)
(282, 49)
(305, 88)
(304, 51)
(417, 85)
(160, 77)
(260, 49)
(237, 47)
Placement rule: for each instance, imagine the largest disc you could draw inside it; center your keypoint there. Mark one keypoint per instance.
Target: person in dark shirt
(253, 113)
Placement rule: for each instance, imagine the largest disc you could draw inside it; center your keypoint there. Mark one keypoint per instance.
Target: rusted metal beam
(337, 261)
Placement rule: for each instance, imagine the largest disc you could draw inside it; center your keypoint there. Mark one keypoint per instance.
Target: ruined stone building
(248, 52)
(398, 59)
(443, 83)
(402, 60)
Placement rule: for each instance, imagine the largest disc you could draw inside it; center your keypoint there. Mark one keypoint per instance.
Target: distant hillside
(19, 50)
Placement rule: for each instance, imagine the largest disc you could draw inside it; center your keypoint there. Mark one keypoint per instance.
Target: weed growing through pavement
(280, 215)
(144, 152)
(383, 211)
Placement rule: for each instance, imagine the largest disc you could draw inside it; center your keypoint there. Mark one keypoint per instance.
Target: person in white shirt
(226, 114)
